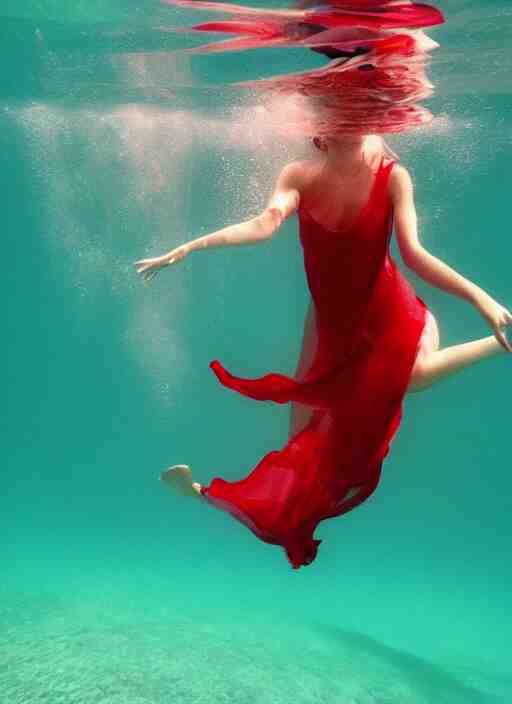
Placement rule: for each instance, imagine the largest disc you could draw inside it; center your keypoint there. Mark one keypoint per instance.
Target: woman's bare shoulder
(298, 173)
(400, 181)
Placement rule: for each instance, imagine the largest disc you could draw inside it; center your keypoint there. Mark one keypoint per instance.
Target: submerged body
(369, 340)
(366, 323)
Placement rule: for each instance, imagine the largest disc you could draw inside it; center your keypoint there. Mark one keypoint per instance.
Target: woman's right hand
(498, 318)
(149, 268)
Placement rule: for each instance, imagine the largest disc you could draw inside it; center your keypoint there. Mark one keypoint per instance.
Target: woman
(368, 340)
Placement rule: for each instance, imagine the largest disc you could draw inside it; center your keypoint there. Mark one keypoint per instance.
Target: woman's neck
(347, 156)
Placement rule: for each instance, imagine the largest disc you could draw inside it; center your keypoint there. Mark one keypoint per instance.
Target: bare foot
(179, 479)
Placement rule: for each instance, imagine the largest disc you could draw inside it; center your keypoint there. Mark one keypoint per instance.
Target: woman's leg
(433, 364)
(299, 413)
(179, 477)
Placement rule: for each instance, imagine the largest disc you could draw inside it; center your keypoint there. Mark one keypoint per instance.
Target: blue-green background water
(114, 590)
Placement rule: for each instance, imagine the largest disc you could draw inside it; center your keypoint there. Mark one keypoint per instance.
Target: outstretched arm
(283, 202)
(432, 269)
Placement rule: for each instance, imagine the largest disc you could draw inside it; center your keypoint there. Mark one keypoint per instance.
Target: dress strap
(383, 175)
(386, 168)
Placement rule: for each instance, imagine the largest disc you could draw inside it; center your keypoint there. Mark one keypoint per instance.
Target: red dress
(366, 322)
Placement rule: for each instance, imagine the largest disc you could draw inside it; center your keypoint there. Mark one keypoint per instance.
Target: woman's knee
(430, 337)
(420, 377)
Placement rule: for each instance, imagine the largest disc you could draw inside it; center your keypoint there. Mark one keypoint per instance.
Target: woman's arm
(432, 269)
(283, 202)
(414, 255)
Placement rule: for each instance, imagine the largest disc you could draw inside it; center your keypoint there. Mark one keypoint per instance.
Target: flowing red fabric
(361, 340)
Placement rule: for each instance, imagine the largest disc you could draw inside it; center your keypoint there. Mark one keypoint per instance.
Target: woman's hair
(374, 143)
(387, 149)
(379, 144)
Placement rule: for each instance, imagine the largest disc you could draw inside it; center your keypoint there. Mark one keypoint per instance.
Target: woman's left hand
(498, 318)
(149, 268)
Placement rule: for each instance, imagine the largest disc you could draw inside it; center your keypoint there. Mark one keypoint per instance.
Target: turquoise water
(114, 591)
